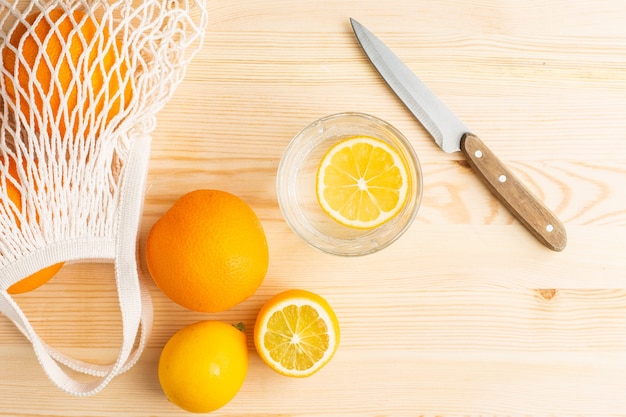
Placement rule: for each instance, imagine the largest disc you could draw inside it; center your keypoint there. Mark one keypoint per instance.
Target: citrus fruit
(63, 60)
(42, 276)
(204, 365)
(208, 252)
(296, 333)
(35, 280)
(362, 182)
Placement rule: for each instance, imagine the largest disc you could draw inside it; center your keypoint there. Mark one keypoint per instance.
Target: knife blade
(452, 135)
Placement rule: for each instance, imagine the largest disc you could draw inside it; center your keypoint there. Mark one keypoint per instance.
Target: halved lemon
(362, 182)
(296, 333)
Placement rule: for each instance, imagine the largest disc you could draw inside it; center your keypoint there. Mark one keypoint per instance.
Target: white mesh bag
(80, 86)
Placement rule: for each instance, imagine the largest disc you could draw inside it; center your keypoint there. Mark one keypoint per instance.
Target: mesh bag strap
(134, 298)
(55, 363)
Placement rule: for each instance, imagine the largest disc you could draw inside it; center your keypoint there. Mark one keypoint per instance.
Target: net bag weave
(80, 87)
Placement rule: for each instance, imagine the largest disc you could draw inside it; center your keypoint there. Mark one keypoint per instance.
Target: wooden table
(465, 315)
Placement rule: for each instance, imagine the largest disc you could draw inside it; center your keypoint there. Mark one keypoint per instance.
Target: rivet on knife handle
(530, 211)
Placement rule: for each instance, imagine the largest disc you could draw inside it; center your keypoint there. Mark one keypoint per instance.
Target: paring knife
(451, 134)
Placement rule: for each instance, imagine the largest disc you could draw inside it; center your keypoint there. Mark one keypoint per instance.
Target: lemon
(296, 333)
(204, 365)
(362, 182)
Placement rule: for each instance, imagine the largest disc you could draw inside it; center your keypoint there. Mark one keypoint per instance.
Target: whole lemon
(208, 252)
(203, 366)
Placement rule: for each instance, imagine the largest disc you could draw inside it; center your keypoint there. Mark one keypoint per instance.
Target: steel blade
(443, 125)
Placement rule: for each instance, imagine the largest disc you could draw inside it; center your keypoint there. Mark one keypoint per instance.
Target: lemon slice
(362, 182)
(296, 333)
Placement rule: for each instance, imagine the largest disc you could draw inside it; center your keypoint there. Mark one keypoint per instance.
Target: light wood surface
(467, 314)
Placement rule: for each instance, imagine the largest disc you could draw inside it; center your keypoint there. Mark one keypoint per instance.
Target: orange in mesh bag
(81, 56)
(80, 86)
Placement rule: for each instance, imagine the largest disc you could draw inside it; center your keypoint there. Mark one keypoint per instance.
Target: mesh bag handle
(80, 85)
(133, 296)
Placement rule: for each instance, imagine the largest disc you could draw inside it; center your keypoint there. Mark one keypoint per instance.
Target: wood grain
(466, 314)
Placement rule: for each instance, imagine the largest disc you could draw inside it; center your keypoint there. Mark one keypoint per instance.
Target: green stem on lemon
(240, 326)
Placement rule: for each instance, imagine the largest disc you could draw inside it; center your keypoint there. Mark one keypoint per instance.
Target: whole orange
(203, 366)
(39, 278)
(208, 252)
(65, 62)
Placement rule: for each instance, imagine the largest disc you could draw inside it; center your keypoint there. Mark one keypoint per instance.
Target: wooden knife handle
(531, 212)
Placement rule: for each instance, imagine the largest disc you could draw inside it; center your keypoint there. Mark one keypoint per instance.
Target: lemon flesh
(362, 182)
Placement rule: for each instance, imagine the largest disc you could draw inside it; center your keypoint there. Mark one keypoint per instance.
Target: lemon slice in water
(362, 182)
